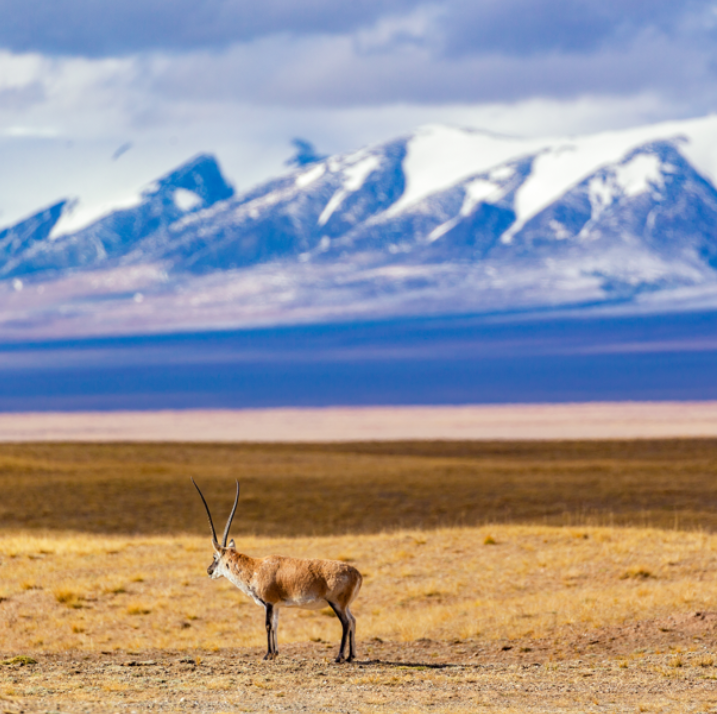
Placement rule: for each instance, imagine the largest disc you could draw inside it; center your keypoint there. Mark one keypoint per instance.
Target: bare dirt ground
(623, 420)
(653, 666)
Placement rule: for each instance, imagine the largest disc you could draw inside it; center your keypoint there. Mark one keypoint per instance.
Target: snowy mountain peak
(195, 185)
(200, 176)
(18, 240)
(445, 220)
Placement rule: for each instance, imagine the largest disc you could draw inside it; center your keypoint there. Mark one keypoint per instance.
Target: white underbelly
(305, 603)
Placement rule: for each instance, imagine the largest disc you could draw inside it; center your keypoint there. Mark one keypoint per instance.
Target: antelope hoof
(340, 659)
(270, 655)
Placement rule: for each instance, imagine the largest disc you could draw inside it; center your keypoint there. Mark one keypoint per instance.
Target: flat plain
(485, 422)
(499, 576)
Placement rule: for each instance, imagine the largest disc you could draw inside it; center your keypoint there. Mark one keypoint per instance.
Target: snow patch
(631, 178)
(476, 192)
(639, 174)
(441, 230)
(439, 157)
(186, 200)
(601, 193)
(308, 177)
(354, 177)
(334, 202)
(76, 216)
(502, 173)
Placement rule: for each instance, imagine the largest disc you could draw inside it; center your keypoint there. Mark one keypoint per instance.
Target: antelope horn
(231, 517)
(209, 515)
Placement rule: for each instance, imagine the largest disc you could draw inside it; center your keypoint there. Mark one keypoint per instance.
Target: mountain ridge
(443, 221)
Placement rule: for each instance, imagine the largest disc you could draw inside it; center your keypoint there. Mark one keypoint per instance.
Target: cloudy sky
(98, 97)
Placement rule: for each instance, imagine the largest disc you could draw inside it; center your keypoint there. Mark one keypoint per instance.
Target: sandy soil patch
(537, 421)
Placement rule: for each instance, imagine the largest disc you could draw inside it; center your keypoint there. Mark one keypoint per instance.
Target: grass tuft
(118, 590)
(21, 660)
(637, 574)
(138, 610)
(69, 598)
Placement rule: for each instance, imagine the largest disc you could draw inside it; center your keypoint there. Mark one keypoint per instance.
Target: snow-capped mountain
(192, 187)
(444, 221)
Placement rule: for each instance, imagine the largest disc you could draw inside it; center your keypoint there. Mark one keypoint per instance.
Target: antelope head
(217, 568)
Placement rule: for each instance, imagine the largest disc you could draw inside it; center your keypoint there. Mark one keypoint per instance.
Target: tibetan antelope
(274, 582)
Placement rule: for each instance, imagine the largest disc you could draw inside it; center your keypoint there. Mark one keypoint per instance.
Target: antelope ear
(232, 544)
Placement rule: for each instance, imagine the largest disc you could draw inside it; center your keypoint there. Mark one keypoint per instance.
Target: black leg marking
(269, 631)
(352, 636)
(345, 626)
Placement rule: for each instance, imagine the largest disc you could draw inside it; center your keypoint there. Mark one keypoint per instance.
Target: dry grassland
(508, 613)
(452, 617)
(291, 490)
(67, 592)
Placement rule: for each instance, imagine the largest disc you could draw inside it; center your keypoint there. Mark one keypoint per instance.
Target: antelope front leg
(270, 635)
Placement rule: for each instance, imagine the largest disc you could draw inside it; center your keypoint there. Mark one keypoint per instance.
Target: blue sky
(82, 79)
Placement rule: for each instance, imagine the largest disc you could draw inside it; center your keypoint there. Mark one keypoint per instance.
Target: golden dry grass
(471, 553)
(327, 489)
(77, 592)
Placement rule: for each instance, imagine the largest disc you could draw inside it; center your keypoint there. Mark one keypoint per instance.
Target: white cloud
(339, 82)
